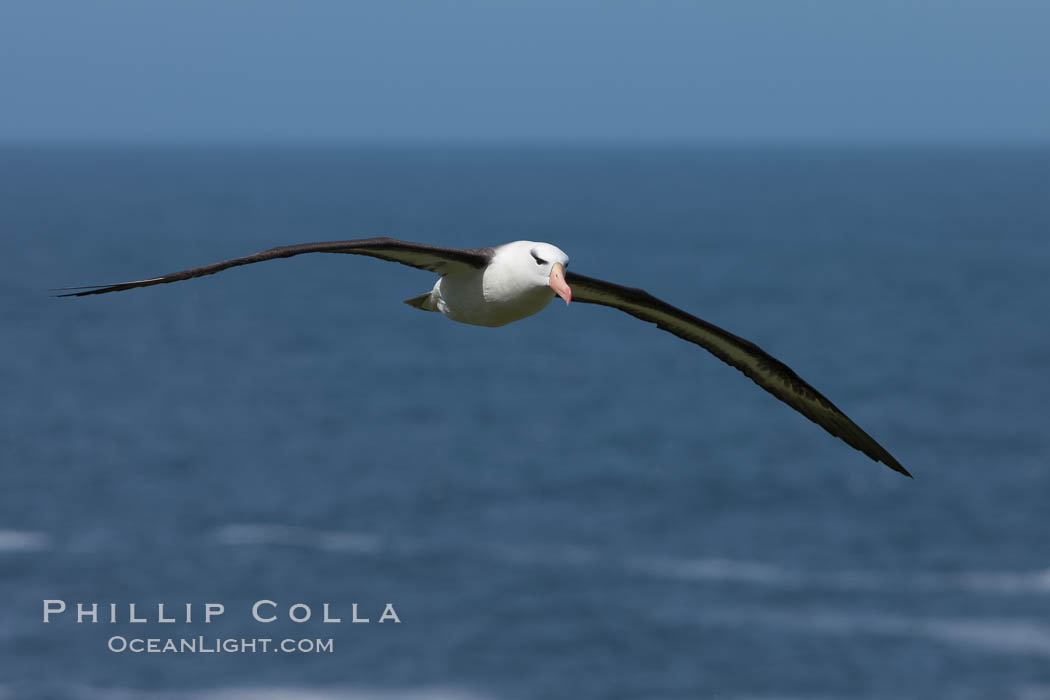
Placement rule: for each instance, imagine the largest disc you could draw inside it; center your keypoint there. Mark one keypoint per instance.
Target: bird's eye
(539, 260)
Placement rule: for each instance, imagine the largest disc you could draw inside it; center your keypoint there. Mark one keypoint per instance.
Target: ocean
(577, 505)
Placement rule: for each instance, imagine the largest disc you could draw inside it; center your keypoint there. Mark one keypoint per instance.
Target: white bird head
(548, 263)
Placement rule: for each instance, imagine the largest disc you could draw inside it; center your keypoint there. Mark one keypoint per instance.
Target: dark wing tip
(896, 466)
(841, 426)
(863, 442)
(119, 287)
(72, 291)
(89, 290)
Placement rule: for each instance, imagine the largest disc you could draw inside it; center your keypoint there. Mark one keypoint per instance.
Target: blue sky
(751, 70)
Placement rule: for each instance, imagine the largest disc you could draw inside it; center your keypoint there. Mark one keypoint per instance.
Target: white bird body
(514, 285)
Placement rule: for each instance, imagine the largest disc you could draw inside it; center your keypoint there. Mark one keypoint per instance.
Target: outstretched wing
(418, 255)
(763, 369)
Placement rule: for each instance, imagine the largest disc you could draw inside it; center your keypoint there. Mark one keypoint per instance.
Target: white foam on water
(271, 693)
(1000, 635)
(791, 697)
(1033, 692)
(715, 570)
(1008, 581)
(759, 573)
(23, 541)
(329, 694)
(285, 535)
(709, 570)
(1001, 582)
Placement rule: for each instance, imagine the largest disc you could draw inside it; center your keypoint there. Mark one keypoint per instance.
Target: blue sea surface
(577, 505)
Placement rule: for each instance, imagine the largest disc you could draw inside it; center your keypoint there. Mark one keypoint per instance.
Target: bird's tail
(424, 302)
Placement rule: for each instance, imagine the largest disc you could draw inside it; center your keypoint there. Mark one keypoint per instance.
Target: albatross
(499, 285)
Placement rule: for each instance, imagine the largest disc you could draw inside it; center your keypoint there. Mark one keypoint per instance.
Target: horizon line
(517, 142)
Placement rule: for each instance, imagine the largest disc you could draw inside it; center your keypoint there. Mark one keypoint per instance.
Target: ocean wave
(337, 541)
(1008, 581)
(706, 570)
(715, 570)
(758, 573)
(1001, 635)
(23, 541)
(788, 697)
(285, 535)
(328, 694)
(1033, 692)
(270, 693)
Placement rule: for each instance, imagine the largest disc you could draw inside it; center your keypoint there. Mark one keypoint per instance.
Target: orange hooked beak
(558, 283)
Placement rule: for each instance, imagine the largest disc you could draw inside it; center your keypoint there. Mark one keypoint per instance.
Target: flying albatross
(496, 286)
